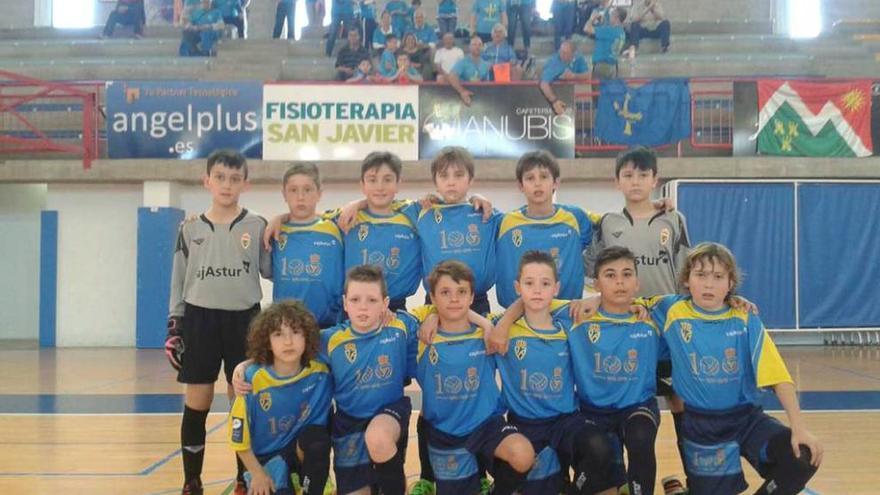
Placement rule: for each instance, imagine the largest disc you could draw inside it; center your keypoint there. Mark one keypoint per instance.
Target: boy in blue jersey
(461, 401)
(281, 427)
(308, 257)
(538, 384)
(563, 231)
(370, 362)
(721, 358)
(615, 355)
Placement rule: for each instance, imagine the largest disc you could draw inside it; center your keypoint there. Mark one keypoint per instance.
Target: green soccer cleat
(329, 487)
(485, 486)
(422, 487)
(623, 490)
(294, 483)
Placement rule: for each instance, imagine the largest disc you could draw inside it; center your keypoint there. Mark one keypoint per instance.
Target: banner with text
(501, 121)
(339, 122)
(182, 119)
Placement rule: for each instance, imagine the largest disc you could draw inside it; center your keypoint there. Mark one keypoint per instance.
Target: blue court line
(173, 403)
(807, 491)
(144, 472)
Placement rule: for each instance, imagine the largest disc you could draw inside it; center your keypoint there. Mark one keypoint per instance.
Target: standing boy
(308, 258)
(215, 291)
(561, 230)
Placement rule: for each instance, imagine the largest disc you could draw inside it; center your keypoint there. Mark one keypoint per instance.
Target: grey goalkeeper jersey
(660, 244)
(219, 266)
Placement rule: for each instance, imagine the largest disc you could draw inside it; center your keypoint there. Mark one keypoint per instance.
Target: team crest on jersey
(686, 332)
(438, 215)
(594, 332)
(351, 352)
(473, 236)
(363, 232)
(393, 260)
(731, 364)
(314, 267)
(265, 401)
(433, 357)
(556, 382)
(517, 237)
(664, 236)
(473, 380)
(282, 241)
(245, 240)
(384, 370)
(520, 349)
(632, 361)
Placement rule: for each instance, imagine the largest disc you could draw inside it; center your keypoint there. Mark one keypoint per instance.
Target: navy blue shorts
(554, 443)
(454, 459)
(714, 442)
(351, 461)
(612, 421)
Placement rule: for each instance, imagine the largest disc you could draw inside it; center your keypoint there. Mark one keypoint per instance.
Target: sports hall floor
(108, 421)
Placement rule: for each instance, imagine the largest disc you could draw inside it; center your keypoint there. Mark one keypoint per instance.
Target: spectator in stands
(446, 56)
(447, 16)
(563, 21)
(381, 34)
(399, 11)
(610, 39)
(406, 73)
(419, 57)
(201, 31)
(127, 12)
(520, 12)
(343, 20)
(285, 11)
(470, 69)
(350, 56)
(388, 60)
(235, 14)
(499, 52)
(648, 20)
(425, 33)
(487, 13)
(564, 65)
(364, 73)
(368, 21)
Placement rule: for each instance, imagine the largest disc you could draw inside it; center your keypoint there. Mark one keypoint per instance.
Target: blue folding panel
(48, 277)
(756, 221)
(157, 234)
(838, 242)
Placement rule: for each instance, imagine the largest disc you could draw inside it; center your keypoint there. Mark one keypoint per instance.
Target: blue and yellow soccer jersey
(719, 359)
(458, 232)
(536, 373)
(370, 369)
(564, 235)
(459, 391)
(391, 243)
(278, 408)
(308, 265)
(615, 360)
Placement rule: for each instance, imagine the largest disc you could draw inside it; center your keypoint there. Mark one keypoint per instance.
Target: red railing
(25, 132)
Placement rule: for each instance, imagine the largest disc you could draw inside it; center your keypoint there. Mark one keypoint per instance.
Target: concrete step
(49, 33)
(59, 48)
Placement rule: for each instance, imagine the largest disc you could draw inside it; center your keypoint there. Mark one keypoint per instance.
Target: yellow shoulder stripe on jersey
(422, 348)
(771, 369)
(322, 226)
(422, 312)
(522, 329)
(595, 218)
(339, 338)
(684, 310)
(396, 219)
(263, 379)
(519, 219)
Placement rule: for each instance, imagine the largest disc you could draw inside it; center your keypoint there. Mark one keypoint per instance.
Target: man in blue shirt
(487, 13)
(520, 11)
(470, 69)
(201, 31)
(610, 39)
(234, 13)
(565, 65)
(343, 17)
(284, 11)
(500, 52)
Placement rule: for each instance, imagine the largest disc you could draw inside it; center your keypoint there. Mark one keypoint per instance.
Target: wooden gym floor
(108, 421)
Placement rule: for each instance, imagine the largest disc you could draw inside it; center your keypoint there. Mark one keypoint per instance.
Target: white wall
(97, 253)
(20, 206)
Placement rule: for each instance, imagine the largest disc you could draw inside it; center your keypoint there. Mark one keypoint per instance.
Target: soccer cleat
(329, 487)
(673, 486)
(422, 487)
(486, 486)
(192, 487)
(294, 483)
(623, 490)
(240, 488)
